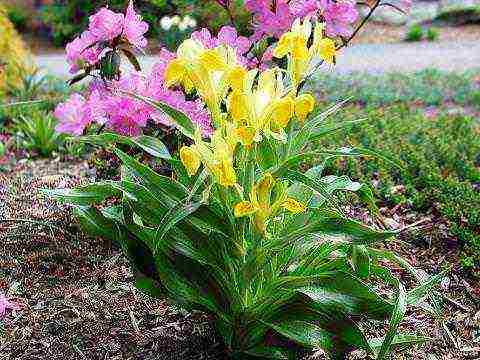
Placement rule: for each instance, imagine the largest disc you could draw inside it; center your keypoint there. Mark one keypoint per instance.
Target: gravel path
(372, 58)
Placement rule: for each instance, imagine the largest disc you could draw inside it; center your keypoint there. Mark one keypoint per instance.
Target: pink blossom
(81, 51)
(269, 20)
(6, 304)
(73, 115)
(134, 28)
(339, 16)
(106, 25)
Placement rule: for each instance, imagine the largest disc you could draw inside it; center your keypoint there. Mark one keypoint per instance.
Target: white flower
(176, 20)
(190, 21)
(183, 26)
(166, 23)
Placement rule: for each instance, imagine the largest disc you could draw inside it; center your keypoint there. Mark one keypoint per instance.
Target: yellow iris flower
(300, 57)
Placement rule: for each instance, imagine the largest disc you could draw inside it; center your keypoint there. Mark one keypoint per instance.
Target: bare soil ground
(79, 302)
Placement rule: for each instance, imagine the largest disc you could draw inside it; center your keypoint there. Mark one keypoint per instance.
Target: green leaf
(397, 317)
(149, 286)
(334, 224)
(94, 223)
(361, 261)
(149, 144)
(302, 136)
(398, 340)
(164, 188)
(182, 121)
(268, 352)
(340, 292)
(174, 215)
(84, 195)
(305, 334)
(424, 289)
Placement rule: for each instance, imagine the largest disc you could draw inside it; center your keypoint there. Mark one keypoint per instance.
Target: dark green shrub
(18, 16)
(415, 33)
(441, 158)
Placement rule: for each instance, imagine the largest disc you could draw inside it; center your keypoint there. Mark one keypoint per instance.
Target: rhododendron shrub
(246, 227)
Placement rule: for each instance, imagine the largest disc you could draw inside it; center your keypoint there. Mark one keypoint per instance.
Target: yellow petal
(176, 72)
(190, 159)
(304, 105)
(244, 208)
(236, 77)
(327, 50)
(212, 60)
(294, 206)
(238, 106)
(283, 111)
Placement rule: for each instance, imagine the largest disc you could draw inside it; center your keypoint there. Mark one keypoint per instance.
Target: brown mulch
(79, 301)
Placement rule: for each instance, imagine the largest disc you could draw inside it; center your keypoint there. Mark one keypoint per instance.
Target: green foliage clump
(432, 34)
(414, 33)
(35, 131)
(441, 158)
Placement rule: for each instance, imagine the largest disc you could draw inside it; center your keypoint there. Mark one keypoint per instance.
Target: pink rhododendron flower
(134, 28)
(106, 25)
(73, 115)
(80, 51)
(269, 20)
(6, 304)
(339, 16)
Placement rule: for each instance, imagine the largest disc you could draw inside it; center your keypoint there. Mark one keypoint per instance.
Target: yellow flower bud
(327, 50)
(244, 208)
(283, 111)
(304, 105)
(190, 159)
(294, 206)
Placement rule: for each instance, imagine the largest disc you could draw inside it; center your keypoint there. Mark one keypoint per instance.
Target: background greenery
(441, 157)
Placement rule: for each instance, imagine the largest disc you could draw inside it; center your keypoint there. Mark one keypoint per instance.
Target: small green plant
(2, 150)
(432, 34)
(415, 33)
(35, 131)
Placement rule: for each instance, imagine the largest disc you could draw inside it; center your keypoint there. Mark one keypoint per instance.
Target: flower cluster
(184, 24)
(271, 18)
(246, 105)
(113, 106)
(106, 29)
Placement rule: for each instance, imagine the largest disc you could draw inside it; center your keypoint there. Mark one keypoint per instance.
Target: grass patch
(442, 161)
